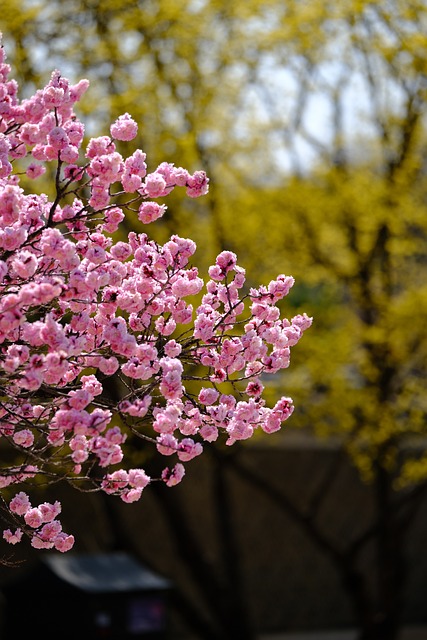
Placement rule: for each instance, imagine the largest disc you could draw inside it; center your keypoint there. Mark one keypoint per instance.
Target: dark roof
(104, 572)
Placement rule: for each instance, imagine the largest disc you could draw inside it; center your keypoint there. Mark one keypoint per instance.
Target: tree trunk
(384, 621)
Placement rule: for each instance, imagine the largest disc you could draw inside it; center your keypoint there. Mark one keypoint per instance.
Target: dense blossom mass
(81, 310)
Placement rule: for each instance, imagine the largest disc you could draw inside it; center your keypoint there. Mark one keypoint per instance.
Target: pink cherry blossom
(208, 395)
(138, 478)
(63, 542)
(188, 449)
(173, 476)
(197, 184)
(12, 538)
(58, 138)
(124, 128)
(80, 306)
(150, 211)
(20, 504)
(154, 185)
(33, 517)
(23, 438)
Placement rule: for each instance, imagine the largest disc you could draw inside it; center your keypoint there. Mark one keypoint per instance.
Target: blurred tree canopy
(310, 120)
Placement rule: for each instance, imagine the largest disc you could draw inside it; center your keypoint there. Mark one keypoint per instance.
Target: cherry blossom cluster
(105, 341)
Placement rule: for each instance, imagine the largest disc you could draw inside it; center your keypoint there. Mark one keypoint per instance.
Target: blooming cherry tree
(79, 308)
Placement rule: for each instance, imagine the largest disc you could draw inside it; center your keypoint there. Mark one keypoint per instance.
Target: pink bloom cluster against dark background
(80, 311)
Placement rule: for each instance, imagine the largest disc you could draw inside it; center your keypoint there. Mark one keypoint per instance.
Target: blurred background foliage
(310, 120)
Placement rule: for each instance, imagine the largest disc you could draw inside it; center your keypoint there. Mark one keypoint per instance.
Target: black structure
(103, 595)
